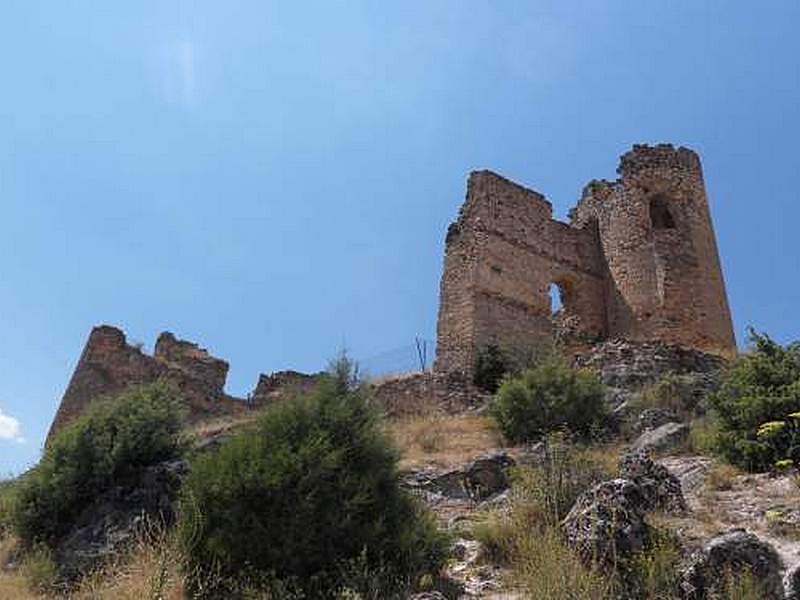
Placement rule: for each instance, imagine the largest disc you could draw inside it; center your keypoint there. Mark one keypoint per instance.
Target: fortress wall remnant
(108, 365)
(638, 260)
(658, 241)
(503, 253)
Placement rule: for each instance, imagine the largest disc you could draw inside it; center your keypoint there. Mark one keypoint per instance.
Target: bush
(110, 445)
(491, 365)
(756, 404)
(548, 397)
(308, 496)
(7, 502)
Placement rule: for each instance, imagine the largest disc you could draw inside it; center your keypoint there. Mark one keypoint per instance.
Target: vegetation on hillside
(757, 408)
(111, 444)
(307, 500)
(549, 397)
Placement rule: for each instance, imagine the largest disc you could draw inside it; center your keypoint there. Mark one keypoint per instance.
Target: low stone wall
(427, 392)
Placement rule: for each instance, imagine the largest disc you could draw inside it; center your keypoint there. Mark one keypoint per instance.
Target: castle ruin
(638, 260)
(109, 365)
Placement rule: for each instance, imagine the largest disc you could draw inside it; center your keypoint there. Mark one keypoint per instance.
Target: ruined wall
(638, 260)
(502, 255)
(278, 385)
(109, 365)
(658, 241)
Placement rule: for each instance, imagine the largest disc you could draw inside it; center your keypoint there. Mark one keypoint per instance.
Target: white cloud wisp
(10, 428)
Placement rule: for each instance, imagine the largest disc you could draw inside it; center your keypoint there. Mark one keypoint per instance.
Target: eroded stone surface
(732, 552)
(660, 488)
(666, 437)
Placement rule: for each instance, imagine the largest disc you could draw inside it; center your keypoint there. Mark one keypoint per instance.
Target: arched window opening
(556, 298)
(660, 217)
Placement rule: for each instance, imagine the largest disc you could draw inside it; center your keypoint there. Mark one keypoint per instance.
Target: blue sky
(274, 180)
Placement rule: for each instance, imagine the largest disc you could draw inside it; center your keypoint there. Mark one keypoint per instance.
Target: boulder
(660, 488)
(607, 521)
(479, 480)
(118, 516)
(663, 438)
(488, 476)
(732, 552)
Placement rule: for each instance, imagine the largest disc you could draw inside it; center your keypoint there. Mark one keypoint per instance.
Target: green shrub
(7, 503)
(548, 397)
(491, 365)
(111, 444)
(761, 387)
(307, 494)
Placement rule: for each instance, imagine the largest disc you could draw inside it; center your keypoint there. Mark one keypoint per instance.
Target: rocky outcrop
(732, 552)
(475, 481)
(660, 488)
(626, 364)
(792, 583)
(607, 522)
(665, 437)
(652, 418)
(118, 516)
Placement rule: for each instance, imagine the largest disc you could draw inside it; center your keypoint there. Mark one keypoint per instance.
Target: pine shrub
(305, 497)
(111, 444)
(757, 406)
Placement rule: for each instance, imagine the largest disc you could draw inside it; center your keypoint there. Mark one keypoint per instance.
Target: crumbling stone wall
(638, 260)
(426, 392)
(109, 365)
(277, 385)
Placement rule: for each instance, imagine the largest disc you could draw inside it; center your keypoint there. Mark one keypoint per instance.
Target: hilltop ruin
(638, 260)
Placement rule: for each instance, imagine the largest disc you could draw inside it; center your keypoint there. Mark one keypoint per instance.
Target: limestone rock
(117, 516)
(660, 488)
(732, 552)
(478, 480)
(630, 365)
(665, 437)
(607, 521)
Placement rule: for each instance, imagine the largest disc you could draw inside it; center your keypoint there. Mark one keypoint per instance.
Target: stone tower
(638, 260)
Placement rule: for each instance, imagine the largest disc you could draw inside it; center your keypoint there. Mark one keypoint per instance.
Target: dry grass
(442, 440)
(222, 425)
(721, 477)
(149, 571)
(13, 583)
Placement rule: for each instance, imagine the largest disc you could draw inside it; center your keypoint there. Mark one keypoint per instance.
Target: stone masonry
(109, 365)
(638, 261)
